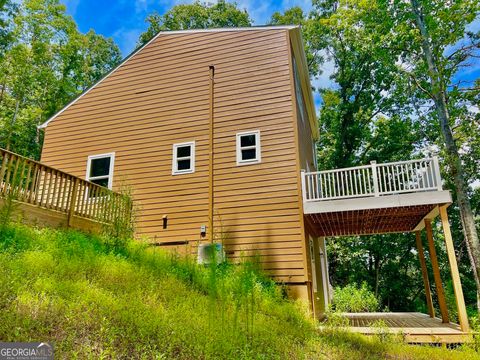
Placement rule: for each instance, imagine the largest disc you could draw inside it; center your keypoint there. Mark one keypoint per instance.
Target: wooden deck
(373, 199)
(415, 327)
(41, 195)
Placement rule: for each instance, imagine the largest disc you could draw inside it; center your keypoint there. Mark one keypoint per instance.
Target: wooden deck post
(438, 177)
(457, 285)
(436, 272)
(73, 203)
(426, 282)
(376, 190)
(304, 185)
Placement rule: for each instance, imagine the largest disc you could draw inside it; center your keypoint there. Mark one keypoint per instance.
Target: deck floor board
(416, 327)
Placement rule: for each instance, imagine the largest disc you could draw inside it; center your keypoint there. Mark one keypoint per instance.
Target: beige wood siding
(161, 97)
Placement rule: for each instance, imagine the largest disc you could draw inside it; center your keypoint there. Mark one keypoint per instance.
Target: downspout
(211, 153)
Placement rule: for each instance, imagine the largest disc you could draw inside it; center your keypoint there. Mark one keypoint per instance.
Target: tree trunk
(438, 94)
(2, 92)
(12, 124)
(377, 276)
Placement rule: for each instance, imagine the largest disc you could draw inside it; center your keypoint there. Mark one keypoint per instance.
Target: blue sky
(124, 20)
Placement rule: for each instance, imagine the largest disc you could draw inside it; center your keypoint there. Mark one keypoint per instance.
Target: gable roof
(297, 38)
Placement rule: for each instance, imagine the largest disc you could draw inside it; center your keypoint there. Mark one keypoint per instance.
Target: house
(147, 124)
(215, 130)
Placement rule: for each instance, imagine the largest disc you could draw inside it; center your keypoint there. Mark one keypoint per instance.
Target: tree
(7, 9)
(45, 63)
(196, 16)
(367, 86)
(435, 45)
(361, 117)
(313, 44)
(374, 111)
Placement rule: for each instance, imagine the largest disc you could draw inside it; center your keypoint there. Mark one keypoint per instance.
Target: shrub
(354, 299)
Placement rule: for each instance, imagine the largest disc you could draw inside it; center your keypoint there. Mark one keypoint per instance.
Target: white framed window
(100, 169)
(248, 147)
(183, 158)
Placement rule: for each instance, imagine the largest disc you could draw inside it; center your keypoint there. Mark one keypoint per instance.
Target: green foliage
(44, 63)
(197, 15)
(378, 109)
(119, 230)
(475, 327)
(354, 299)
(312, 43)
(136, 302)
(99, 301)
(7, 207)
(367, 101)
(382, 331)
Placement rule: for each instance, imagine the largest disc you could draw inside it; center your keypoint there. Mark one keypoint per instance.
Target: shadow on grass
(370, 348)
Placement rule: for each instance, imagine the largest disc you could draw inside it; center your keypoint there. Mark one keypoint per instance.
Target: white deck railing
(372, 180)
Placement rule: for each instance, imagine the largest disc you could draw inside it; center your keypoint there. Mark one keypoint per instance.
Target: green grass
(94, 300)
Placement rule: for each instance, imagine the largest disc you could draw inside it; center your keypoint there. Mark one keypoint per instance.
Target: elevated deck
(414, 327)
(373, 199)
(394, 197)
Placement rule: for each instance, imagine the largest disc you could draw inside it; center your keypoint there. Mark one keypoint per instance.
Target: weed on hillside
(96, 300)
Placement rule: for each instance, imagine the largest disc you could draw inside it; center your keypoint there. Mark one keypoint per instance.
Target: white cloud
(324, 79)
(141, 6)
(260, 12)
(475, 184)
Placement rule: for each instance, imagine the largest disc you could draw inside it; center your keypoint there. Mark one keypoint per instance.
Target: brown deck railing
(32, 182)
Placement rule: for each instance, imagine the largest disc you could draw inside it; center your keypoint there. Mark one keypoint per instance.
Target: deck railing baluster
(26, 194)
(21, 179)
(3, 169)
(355, 174)
(8, 182)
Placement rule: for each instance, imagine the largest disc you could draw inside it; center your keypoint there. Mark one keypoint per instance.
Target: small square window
(183, 158)
(248, 148)
(100, 169)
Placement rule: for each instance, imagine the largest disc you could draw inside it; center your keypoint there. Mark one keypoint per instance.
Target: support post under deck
(426, 282)
(457, 286)
(436, 272)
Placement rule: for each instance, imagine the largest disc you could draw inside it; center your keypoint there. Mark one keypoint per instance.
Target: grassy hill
(96, 299)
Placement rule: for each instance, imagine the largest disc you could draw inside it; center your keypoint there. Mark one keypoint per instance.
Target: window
(100, 169)
(248, 148)
(183, 158)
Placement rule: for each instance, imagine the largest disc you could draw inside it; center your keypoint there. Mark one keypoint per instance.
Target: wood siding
(160, 97)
